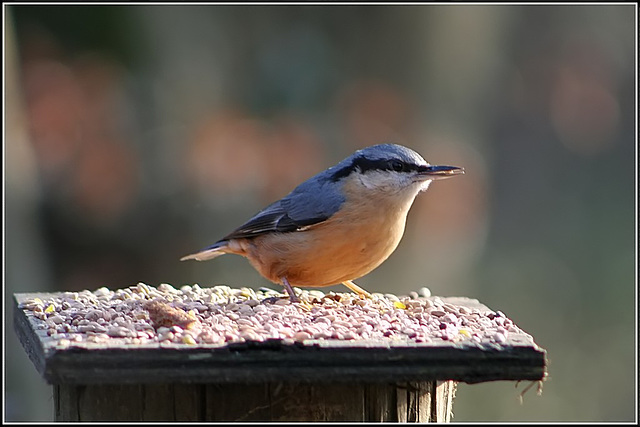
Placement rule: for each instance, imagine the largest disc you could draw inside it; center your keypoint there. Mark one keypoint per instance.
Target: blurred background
(138, 134)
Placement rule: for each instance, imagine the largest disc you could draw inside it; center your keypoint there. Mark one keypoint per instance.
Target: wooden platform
(316, 380)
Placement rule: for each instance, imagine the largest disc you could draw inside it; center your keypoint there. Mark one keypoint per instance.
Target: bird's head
(391, 169)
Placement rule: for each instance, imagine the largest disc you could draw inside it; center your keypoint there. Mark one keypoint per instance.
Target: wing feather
(274, 218)
(295, 212)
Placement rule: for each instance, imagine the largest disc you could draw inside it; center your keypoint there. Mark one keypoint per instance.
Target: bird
(338, 225)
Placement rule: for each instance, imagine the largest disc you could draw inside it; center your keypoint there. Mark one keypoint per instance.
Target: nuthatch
(338, 225)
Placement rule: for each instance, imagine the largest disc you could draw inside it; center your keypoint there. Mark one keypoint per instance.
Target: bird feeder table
(222, 354)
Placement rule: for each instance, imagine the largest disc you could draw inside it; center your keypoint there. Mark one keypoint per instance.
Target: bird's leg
(355, 288)
(292, 295)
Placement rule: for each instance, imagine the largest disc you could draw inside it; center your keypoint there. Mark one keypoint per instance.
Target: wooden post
(327, 380)
(285, 402)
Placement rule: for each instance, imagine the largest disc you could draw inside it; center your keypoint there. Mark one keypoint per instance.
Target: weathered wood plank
(414, 401)
(66, 403)
(189, 402)
(158, 402)
(380, 402)
(237, 402)
(317, 402)
(442, 404)
(283, 402)
(422, 396)
(110, 403)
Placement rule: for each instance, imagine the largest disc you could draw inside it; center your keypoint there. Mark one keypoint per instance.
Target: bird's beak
(438, 172)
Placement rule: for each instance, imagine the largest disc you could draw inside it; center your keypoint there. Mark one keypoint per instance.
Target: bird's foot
(355, 288)
(273, 300)
(292, 295)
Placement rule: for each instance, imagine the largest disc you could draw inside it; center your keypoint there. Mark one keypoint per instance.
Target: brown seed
(162, 314)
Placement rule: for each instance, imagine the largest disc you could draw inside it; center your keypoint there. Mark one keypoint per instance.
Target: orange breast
(347, 246)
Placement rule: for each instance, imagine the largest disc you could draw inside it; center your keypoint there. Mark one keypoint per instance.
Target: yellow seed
(188, 339)
(305, 306)
(50, 309)
(398, 304)
(465, 333)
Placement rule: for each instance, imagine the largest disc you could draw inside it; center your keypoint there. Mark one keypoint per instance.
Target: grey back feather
(316, 199)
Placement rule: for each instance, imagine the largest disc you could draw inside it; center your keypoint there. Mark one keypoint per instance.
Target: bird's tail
(208, 253)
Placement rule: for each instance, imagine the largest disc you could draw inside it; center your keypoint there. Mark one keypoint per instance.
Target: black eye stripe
(364, 165)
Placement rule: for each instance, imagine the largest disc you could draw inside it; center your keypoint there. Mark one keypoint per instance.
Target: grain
(215, 316)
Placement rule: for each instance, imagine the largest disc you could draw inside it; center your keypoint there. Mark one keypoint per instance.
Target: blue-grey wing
(312, 202)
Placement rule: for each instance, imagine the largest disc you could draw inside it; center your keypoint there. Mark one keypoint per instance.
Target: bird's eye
(397, 165)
